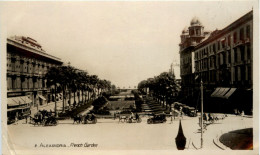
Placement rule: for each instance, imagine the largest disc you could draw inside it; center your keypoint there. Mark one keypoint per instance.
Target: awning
(228, 94)
(225, 90)
(41, 97)
(26, 99)
(15, 101)
(215, 92)
(11, 102)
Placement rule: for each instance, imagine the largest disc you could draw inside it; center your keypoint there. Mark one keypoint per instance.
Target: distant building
(27, 63)
(223, 60)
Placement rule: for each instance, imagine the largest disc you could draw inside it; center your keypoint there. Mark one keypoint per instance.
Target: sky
(123, 42)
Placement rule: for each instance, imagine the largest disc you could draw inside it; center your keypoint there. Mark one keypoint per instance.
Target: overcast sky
(124, 42)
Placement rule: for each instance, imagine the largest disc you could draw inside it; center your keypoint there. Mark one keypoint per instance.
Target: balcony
(227, 47)
(238, 63)
(35, 74)
(247, 40)
(239, 43)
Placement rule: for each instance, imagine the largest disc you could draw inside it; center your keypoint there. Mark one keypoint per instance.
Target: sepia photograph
(129, 77)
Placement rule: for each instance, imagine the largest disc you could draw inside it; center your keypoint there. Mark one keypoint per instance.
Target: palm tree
(53, 79)
(67, 75)
(93, 82)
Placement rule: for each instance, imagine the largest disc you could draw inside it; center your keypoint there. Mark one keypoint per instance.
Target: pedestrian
(114, 115)
(16, 118)
(242, 114)
(171, 116)
(136, 116)
(181, 112)
(205, 117)
(26, 117)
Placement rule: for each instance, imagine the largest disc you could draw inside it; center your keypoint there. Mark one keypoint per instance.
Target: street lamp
(201, 87)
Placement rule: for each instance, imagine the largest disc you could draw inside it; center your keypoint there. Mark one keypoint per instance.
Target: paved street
(109, 134)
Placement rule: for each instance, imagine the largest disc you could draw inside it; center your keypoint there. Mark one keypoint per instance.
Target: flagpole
(201, 86)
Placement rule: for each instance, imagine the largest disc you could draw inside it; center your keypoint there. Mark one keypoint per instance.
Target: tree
(161, 87)
(53, 79)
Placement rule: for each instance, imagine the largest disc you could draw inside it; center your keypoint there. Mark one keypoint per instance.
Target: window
(192, 32)
(248, 31)
(224, 58)
(229, 40)
(235, 55)
(223, 41)
(249, 73)
(241, 34)
(235, 38)
(242, 51)
(248, 53)
(229, 57)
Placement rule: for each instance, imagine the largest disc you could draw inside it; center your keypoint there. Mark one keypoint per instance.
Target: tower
(196, 31)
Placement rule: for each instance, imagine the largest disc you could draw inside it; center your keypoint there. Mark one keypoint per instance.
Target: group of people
(132, 116)
(208, 117)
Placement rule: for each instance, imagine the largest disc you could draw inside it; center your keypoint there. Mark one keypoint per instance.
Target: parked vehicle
(157, 118)
(192, 112)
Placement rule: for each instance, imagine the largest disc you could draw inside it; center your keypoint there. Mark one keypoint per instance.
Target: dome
(195, 21)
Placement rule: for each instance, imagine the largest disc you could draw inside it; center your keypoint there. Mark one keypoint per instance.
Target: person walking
(171, 116)
(242, 114)
(26, 117)
(16, 118)
(181, 113)
(114, 115)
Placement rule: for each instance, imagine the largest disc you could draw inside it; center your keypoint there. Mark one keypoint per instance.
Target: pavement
(214, 131)
(110, 134)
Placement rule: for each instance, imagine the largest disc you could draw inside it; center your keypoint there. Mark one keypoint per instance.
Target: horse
(122, 118)
(77, 119)
(37, 121)
(51, 121)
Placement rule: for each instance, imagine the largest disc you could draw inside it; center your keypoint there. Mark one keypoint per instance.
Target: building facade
(27, 63)
(190, 38)
(224, 62)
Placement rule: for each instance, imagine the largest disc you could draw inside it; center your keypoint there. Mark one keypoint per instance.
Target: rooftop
(30, 45)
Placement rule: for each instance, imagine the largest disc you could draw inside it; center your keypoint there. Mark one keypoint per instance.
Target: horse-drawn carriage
(86, 119)
(44, 118)
(190, 111)
(130, 118)
(157, 118)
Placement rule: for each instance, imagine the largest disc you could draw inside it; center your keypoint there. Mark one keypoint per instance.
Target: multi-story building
(27, 63)
(223, 61)
(190, 38)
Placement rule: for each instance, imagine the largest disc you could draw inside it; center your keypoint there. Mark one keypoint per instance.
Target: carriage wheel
(55, 122)
(129, 120)
(149, 121)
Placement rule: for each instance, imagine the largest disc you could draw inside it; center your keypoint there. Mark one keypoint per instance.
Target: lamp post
(201, 87)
